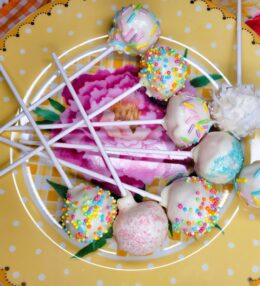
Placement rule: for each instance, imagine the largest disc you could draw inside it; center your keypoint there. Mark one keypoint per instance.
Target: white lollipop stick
(239, 43)
(90, 127)
(94, 124)
(118, 150)
(35, 127)
(56, 90)
(83, 170)
(69, 130)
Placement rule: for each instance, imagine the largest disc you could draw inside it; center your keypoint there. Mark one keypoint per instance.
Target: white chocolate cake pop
(163, 73)
(88, 213)
(248, 184)
(192, 205)
(140, 228)
(236, 109)
(187, 119)
(135, 30)
(218, 157)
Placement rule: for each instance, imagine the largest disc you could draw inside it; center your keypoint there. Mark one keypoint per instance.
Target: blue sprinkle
(257, 173)
(255, 193)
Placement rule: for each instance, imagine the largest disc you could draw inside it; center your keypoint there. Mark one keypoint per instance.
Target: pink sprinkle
(197, 192)
(180, 206)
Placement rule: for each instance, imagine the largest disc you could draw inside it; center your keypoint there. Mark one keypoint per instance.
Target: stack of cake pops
(192, 204)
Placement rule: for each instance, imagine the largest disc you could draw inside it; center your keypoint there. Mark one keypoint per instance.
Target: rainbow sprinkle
(91, 217)
(207, 210)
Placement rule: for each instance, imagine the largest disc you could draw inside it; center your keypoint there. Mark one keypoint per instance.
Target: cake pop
(88, 213)
(134, 31)
(140, 229)
(163, 72)
(248, 184)
(218, 157)
(192, 205)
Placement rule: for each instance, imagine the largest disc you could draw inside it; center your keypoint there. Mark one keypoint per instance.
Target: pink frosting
(96, 90)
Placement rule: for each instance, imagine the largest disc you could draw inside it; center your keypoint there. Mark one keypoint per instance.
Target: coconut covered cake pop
(88, 213)
(163, 73)
(192, 205)
(135, 30)
(187, 119)
(140, 229)
(218, 157)
(248, 184)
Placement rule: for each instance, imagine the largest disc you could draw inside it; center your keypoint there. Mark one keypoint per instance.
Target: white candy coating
(135, 30)
(218, 157)
(192, 205)
(249, 184)
(88, 213)
(140, 228)
(187, 119)
(236, 109)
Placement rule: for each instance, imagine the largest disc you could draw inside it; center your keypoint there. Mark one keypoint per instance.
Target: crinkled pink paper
(96, 90)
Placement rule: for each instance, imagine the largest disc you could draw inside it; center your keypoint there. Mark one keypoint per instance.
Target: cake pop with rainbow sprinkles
(193, 205)
(88, 213)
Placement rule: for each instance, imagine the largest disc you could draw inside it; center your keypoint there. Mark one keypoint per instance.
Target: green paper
(201, 81)
(170, 228)
(61, 190)
(41, 122)
(185, 55)
(56, 105)
(47, 114)
(219, 227)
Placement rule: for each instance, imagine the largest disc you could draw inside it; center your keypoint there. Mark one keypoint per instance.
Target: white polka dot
(59, 11)
(71, 33)
(22, 51)
(15, 172)
(2, 192)
(251, 216)
(138, 284)
(99, 22)
(150, 266)
(12, 248)
(113, 7)
(25, 200)
(63, 244)
(230, 272)
(198, 8)
(229, 26)
(49, 30)
(100, 283)
(179, 13)
(94, 1)
(187, 30)
(6, 99)
(257, 52)
(38, 251)
(22, 72)
(28, 31)
(205, 242)
(2, 58)
(213, 45)
(173, 280)
(231, 244)
(146, 6)
(66, 271)
(255, 269)
(45, 50)
(41, 277)
(258, 73)
(208, 26)
(16, 223)
(79, 15)
(88, 259)
(181, 256)
(16, 275)
(119, 266)
(256, 242)
(204, 267)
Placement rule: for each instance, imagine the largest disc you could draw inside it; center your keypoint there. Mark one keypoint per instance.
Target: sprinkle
(141, 46)
(241, 180)
(185, 139)
(203, 121)
(138, 7)
(255, 193)
(153, 30)
(188, 105)
(257, 173)
(200, 129)
(256, 201)
(131, 18)
(205, 106)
